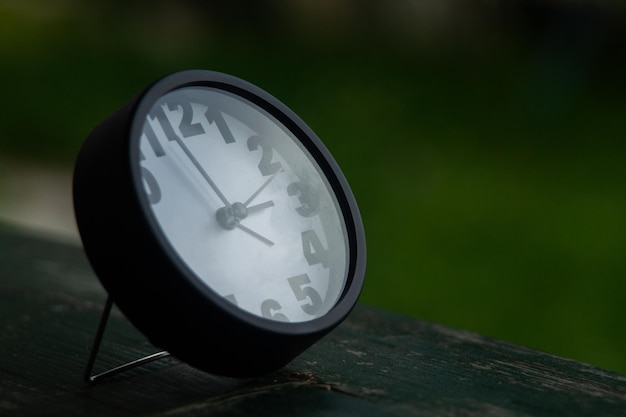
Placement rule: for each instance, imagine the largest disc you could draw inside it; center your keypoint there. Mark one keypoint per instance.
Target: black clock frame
(147, 279)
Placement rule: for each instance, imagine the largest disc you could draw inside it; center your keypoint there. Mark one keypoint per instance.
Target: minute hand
(172, 136)
(202, 171)
(261, 188)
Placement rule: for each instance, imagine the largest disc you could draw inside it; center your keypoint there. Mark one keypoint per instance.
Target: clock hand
(259, 207)
(254, 234)
(261, 188)
(202, 171)
(229, 217)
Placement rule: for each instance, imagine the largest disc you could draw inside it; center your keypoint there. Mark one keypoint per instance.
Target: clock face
(243, 204)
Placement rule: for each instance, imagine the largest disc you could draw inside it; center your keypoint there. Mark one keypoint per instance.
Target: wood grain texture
(376, 363)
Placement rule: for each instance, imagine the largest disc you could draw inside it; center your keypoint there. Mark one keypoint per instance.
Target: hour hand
(259, 207)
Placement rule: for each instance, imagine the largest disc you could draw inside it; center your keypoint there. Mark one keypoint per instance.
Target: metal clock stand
(93, 378)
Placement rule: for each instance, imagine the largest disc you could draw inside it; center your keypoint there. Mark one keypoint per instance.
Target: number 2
(186, 127)
(266, 166)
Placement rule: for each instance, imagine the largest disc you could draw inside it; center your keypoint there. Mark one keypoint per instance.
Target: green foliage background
(487, 161)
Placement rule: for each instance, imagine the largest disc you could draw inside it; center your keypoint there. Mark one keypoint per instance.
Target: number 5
(301, 291)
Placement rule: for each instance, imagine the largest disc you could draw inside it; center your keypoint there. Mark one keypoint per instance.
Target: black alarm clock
(219, 223)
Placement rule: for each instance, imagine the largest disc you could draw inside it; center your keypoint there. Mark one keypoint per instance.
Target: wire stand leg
(88, 376)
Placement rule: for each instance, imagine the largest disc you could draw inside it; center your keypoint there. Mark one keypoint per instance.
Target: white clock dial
(244, 204)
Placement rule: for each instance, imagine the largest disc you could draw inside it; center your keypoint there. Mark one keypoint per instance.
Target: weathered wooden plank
(376, 363)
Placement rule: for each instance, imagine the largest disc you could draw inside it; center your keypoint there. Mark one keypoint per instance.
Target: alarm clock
(219, 223)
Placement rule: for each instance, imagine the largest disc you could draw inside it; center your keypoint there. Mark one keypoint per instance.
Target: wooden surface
(376, 363)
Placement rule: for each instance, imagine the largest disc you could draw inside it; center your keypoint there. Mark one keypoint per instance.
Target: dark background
(484, 139)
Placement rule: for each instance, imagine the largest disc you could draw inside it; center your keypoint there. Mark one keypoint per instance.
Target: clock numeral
(309, 200)
(186, 127)
(215, 116)
(266, 166)
(314, 252)
(152, 140)
(302, 291)
(153, 190)
(269, 310)
(164, 121)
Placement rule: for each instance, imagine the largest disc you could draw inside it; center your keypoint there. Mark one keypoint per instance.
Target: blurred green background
(484, 139)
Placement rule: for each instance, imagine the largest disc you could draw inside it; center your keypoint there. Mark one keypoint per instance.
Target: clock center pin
(229, 216)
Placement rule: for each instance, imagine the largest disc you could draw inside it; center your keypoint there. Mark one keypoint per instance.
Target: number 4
(314, 252)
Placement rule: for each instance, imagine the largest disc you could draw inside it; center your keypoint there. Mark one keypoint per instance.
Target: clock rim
(310, 141)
